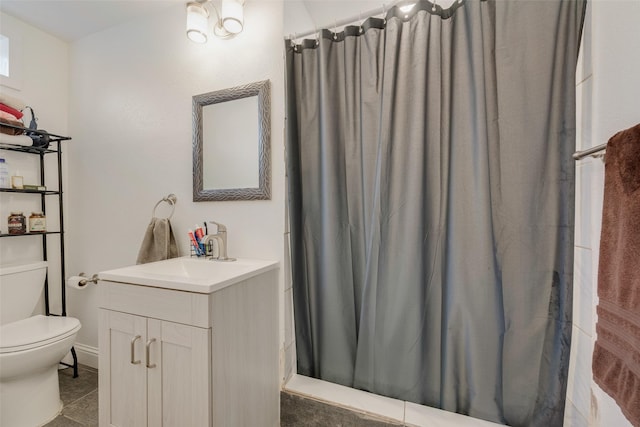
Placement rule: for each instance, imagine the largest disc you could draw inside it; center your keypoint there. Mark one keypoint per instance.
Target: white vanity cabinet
(177, 357)
(157, 372)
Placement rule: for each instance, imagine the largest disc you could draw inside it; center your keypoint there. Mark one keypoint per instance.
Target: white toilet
(30, 348)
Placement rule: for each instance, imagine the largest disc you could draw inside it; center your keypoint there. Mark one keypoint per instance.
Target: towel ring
(171, 199)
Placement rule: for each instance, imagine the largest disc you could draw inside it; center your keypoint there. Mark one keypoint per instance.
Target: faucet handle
(221, 227)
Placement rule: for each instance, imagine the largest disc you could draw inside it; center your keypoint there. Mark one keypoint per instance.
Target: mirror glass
(229, 144)
(231, 154)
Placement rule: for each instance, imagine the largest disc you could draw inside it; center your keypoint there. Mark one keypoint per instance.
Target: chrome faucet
(221, 239)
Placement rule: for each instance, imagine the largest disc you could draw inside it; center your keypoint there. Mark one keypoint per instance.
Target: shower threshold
(408, 413)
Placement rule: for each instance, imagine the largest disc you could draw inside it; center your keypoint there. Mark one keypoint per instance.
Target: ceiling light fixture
(229, 19)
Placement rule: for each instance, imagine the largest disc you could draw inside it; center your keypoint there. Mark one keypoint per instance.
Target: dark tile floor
(80, 399)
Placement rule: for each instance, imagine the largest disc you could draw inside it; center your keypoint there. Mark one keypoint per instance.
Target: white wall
(131, 123)
(45, 87)
(296, 19)
(607, 89)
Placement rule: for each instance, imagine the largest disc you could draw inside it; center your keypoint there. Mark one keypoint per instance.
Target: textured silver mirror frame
(262, 90)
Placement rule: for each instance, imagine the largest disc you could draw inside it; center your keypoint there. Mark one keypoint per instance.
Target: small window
(4, 55)
(11, 59)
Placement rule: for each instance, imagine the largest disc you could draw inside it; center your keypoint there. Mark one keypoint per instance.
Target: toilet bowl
(30, 351)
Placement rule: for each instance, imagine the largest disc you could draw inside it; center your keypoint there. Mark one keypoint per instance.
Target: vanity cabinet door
(123, 376)
(179, 373)
(153, 372)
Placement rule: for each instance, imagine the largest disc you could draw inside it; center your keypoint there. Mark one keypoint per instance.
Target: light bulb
(407, 7)
(232, 16)
(197, 22)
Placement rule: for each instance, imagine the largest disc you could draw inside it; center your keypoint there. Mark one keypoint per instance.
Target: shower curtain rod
(359, 18)
(345, 22)
(578, 155)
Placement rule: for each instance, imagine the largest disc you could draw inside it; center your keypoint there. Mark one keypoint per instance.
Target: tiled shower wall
(604, 84)
(589, 186)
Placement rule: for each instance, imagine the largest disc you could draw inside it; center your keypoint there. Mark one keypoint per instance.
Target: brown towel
(11, 131)
(158, 242)
(616, 356)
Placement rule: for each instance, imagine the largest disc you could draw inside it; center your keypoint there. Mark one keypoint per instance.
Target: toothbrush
(195, 244)
(199, 235)
(198, 232)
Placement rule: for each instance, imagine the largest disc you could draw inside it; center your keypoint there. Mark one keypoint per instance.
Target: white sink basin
(189, 274)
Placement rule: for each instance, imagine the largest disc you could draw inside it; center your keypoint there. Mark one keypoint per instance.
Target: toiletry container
(4, 174)
(37, 222)
(17, 223)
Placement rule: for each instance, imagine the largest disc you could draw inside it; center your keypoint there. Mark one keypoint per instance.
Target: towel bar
(171, 199)
(593, 151)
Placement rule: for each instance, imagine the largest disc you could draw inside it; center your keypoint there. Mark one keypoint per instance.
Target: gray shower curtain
(431, 191)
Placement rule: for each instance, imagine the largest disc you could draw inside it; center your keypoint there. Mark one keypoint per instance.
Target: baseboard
(87, 355)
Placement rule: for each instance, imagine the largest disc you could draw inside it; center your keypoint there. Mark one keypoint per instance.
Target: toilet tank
(21, 286)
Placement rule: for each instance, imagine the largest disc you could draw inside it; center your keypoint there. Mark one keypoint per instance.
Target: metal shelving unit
(54, 148)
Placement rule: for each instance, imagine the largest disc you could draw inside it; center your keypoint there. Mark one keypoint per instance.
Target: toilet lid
(36, 331)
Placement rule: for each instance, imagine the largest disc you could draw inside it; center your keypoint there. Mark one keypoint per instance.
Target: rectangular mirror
(231, 144)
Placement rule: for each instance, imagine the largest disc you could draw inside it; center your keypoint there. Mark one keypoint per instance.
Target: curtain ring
(434, 6)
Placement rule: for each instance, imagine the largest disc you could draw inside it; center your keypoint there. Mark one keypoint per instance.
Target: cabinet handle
(133, 350)
(149, 365)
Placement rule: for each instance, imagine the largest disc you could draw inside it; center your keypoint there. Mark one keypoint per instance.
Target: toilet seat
(36, 331)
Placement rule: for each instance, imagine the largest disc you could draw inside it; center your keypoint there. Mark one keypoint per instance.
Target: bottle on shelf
(37, 223)
(17, 223)
(4, 174)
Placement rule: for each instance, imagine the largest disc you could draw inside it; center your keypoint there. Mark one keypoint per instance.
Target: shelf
(28, 234)
(27, 148)
(31, 149)
(16, 145)
(19, 190)
(52, 136)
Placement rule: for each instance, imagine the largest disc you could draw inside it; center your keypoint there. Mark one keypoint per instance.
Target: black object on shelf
(54, 146)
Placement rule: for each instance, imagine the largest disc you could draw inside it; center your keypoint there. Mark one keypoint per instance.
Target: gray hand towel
(158, 243)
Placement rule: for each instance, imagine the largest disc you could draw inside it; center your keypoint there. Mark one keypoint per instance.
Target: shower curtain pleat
(431, 206)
